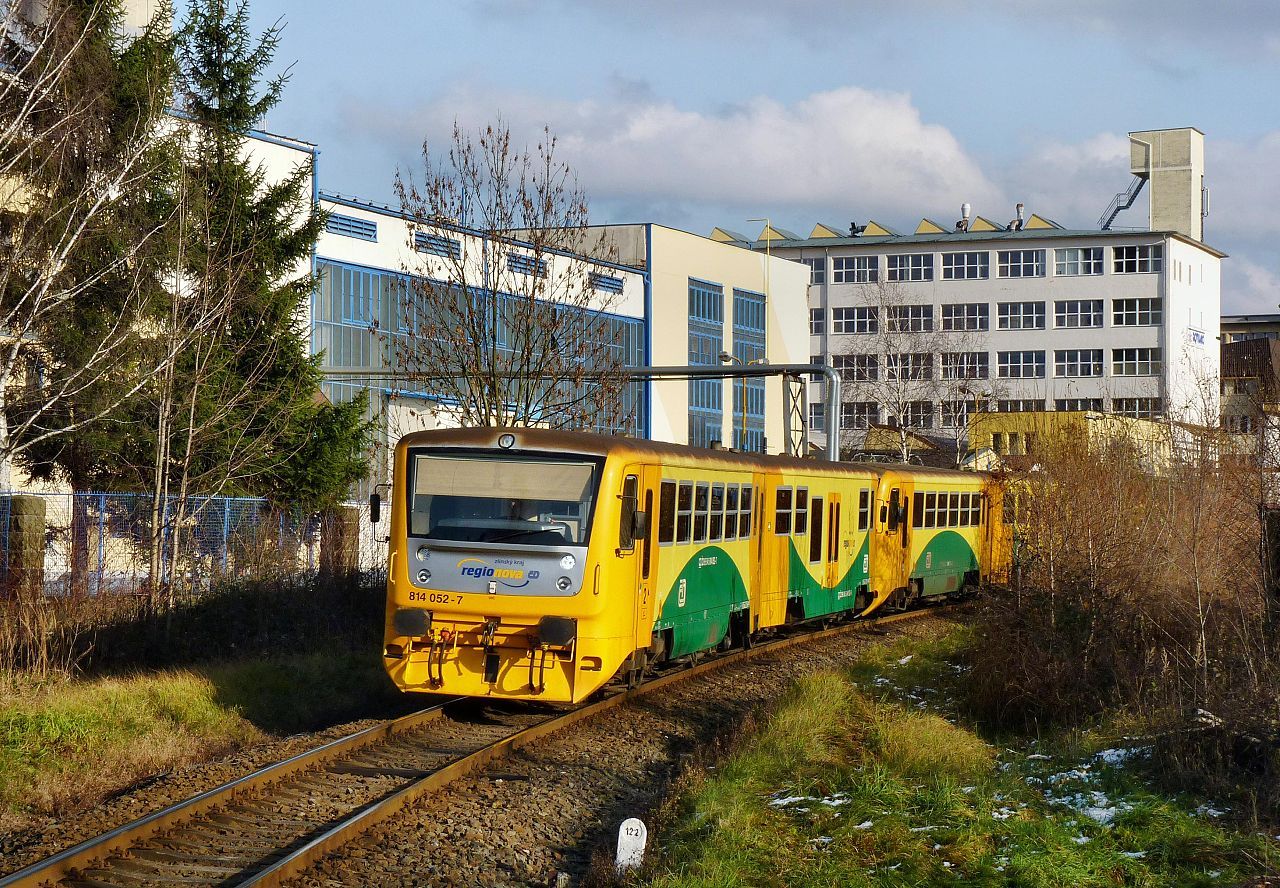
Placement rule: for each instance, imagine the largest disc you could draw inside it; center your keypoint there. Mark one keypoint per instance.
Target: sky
(697, 113)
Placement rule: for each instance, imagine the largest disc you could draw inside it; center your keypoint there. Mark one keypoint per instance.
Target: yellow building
(1016, 437)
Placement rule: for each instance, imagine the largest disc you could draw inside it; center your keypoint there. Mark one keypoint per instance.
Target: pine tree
(248, 414)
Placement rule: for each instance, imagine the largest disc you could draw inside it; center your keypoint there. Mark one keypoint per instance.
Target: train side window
(730, 511)
(917, 517)
(964, 510)
(893, 509)
(975, 509)
(930, 510)
(864, 509)
(802, 511)
(782, 512)
(667, 513)
(701, 498)
(953, 512)
(717, 512)
(744, 516)
(647, 561)
(630, 505)
(833, 534)
(815, 522)
(684, 512)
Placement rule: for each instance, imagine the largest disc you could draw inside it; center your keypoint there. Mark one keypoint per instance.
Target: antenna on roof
(963, 224)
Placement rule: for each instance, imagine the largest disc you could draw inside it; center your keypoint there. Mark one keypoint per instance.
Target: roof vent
(855, 229)
(963, 224)
(1016, 224)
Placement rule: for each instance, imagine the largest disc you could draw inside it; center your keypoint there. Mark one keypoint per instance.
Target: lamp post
(965, 390)
(726, 358)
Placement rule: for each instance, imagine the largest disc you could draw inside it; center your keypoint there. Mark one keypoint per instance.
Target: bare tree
(911, 363)
(504, 317)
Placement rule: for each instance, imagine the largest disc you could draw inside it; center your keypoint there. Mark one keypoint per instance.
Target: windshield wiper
(522, 532)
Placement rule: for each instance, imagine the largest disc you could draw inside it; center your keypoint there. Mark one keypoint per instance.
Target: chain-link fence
(103, 543)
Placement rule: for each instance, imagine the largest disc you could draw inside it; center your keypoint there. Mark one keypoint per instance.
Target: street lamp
(726, 358)
(965, 390)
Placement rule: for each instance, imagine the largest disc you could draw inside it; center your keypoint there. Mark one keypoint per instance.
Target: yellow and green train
(533, 564)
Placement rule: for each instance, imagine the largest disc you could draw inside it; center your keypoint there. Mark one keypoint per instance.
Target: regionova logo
(512, 577)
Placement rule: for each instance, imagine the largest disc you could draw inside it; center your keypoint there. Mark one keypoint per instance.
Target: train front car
(494, 580)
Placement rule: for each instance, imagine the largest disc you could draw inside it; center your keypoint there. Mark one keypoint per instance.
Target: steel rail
(321, 846)
(61, 865)
(67, 863)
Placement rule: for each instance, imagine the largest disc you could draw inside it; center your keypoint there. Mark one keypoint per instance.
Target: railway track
(271, 825)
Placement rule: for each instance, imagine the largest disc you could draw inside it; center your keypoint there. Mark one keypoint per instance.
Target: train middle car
(531, 564)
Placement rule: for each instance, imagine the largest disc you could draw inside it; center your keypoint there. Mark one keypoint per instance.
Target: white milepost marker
(632, 836)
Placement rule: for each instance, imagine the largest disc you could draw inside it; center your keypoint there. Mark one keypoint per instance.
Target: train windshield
(482, 499)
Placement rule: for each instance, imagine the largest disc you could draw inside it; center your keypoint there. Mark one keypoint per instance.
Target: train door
(834, 540)
(771, 555)
(648, 486)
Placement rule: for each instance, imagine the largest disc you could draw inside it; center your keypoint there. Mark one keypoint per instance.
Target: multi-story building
(1024, 316)
(670, 298)
(714, 303)
(1238, 328)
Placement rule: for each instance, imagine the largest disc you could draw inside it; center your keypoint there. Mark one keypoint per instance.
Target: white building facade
(1019, 317)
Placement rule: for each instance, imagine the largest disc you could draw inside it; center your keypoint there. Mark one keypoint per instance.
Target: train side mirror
(641, 524)
(375, 508)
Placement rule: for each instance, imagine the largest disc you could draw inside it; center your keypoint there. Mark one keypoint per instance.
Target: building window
(966, 316)
(911, 319)
(859, 415)
(1240, 423)
(522, 264)
(1021, 405)
(606, 283)
(911, 267)
(819, 360)
(917, 414)
(437, 245)
(706, 341)
(1077, 313)
(914, 365)
(855, 269)
(818, 416)
(1021, 263)
(1143, 259)
(1077, 362)
(748, 394)
(1135, 361)
(965, 365)
(351, 226)
(955, 414)
(1138, 408)
(862, 319)
(1077, 261)
(817, 322)
(1021, 364)
(1141, 312)
(857, 368)
(966, 266)
(817, 269)
(1021, 315)
(1075, 404)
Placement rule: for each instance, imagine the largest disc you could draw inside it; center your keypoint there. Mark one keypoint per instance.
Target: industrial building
(1024, 315)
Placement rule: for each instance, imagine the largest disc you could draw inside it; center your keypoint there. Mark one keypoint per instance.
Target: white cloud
(853, 150)
(1072, 183)
(1248, 287)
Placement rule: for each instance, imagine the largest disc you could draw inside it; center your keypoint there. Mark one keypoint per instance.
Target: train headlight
(568, 562)
(423, 553)
(563, 584)
(424, 576)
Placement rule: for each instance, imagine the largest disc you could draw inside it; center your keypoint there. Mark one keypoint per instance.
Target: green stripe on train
(818, 600)
(944, 562)
(697, 610)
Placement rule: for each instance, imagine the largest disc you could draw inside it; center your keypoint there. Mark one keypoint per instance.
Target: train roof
(588, 443)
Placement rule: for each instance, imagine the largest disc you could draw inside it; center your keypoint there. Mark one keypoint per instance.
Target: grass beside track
(865, 778)
(67, 744)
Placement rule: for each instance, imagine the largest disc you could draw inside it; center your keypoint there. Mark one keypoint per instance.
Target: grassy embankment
(862, 778)
(67, 743)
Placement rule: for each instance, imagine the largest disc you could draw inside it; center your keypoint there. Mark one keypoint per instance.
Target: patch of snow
(1038, 757)
(968, 789)
(1207, 810)
(905, 660)
(866, 824)
(1117, 756)
(1081, 840)
(1003, 813)
(1133, 855)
